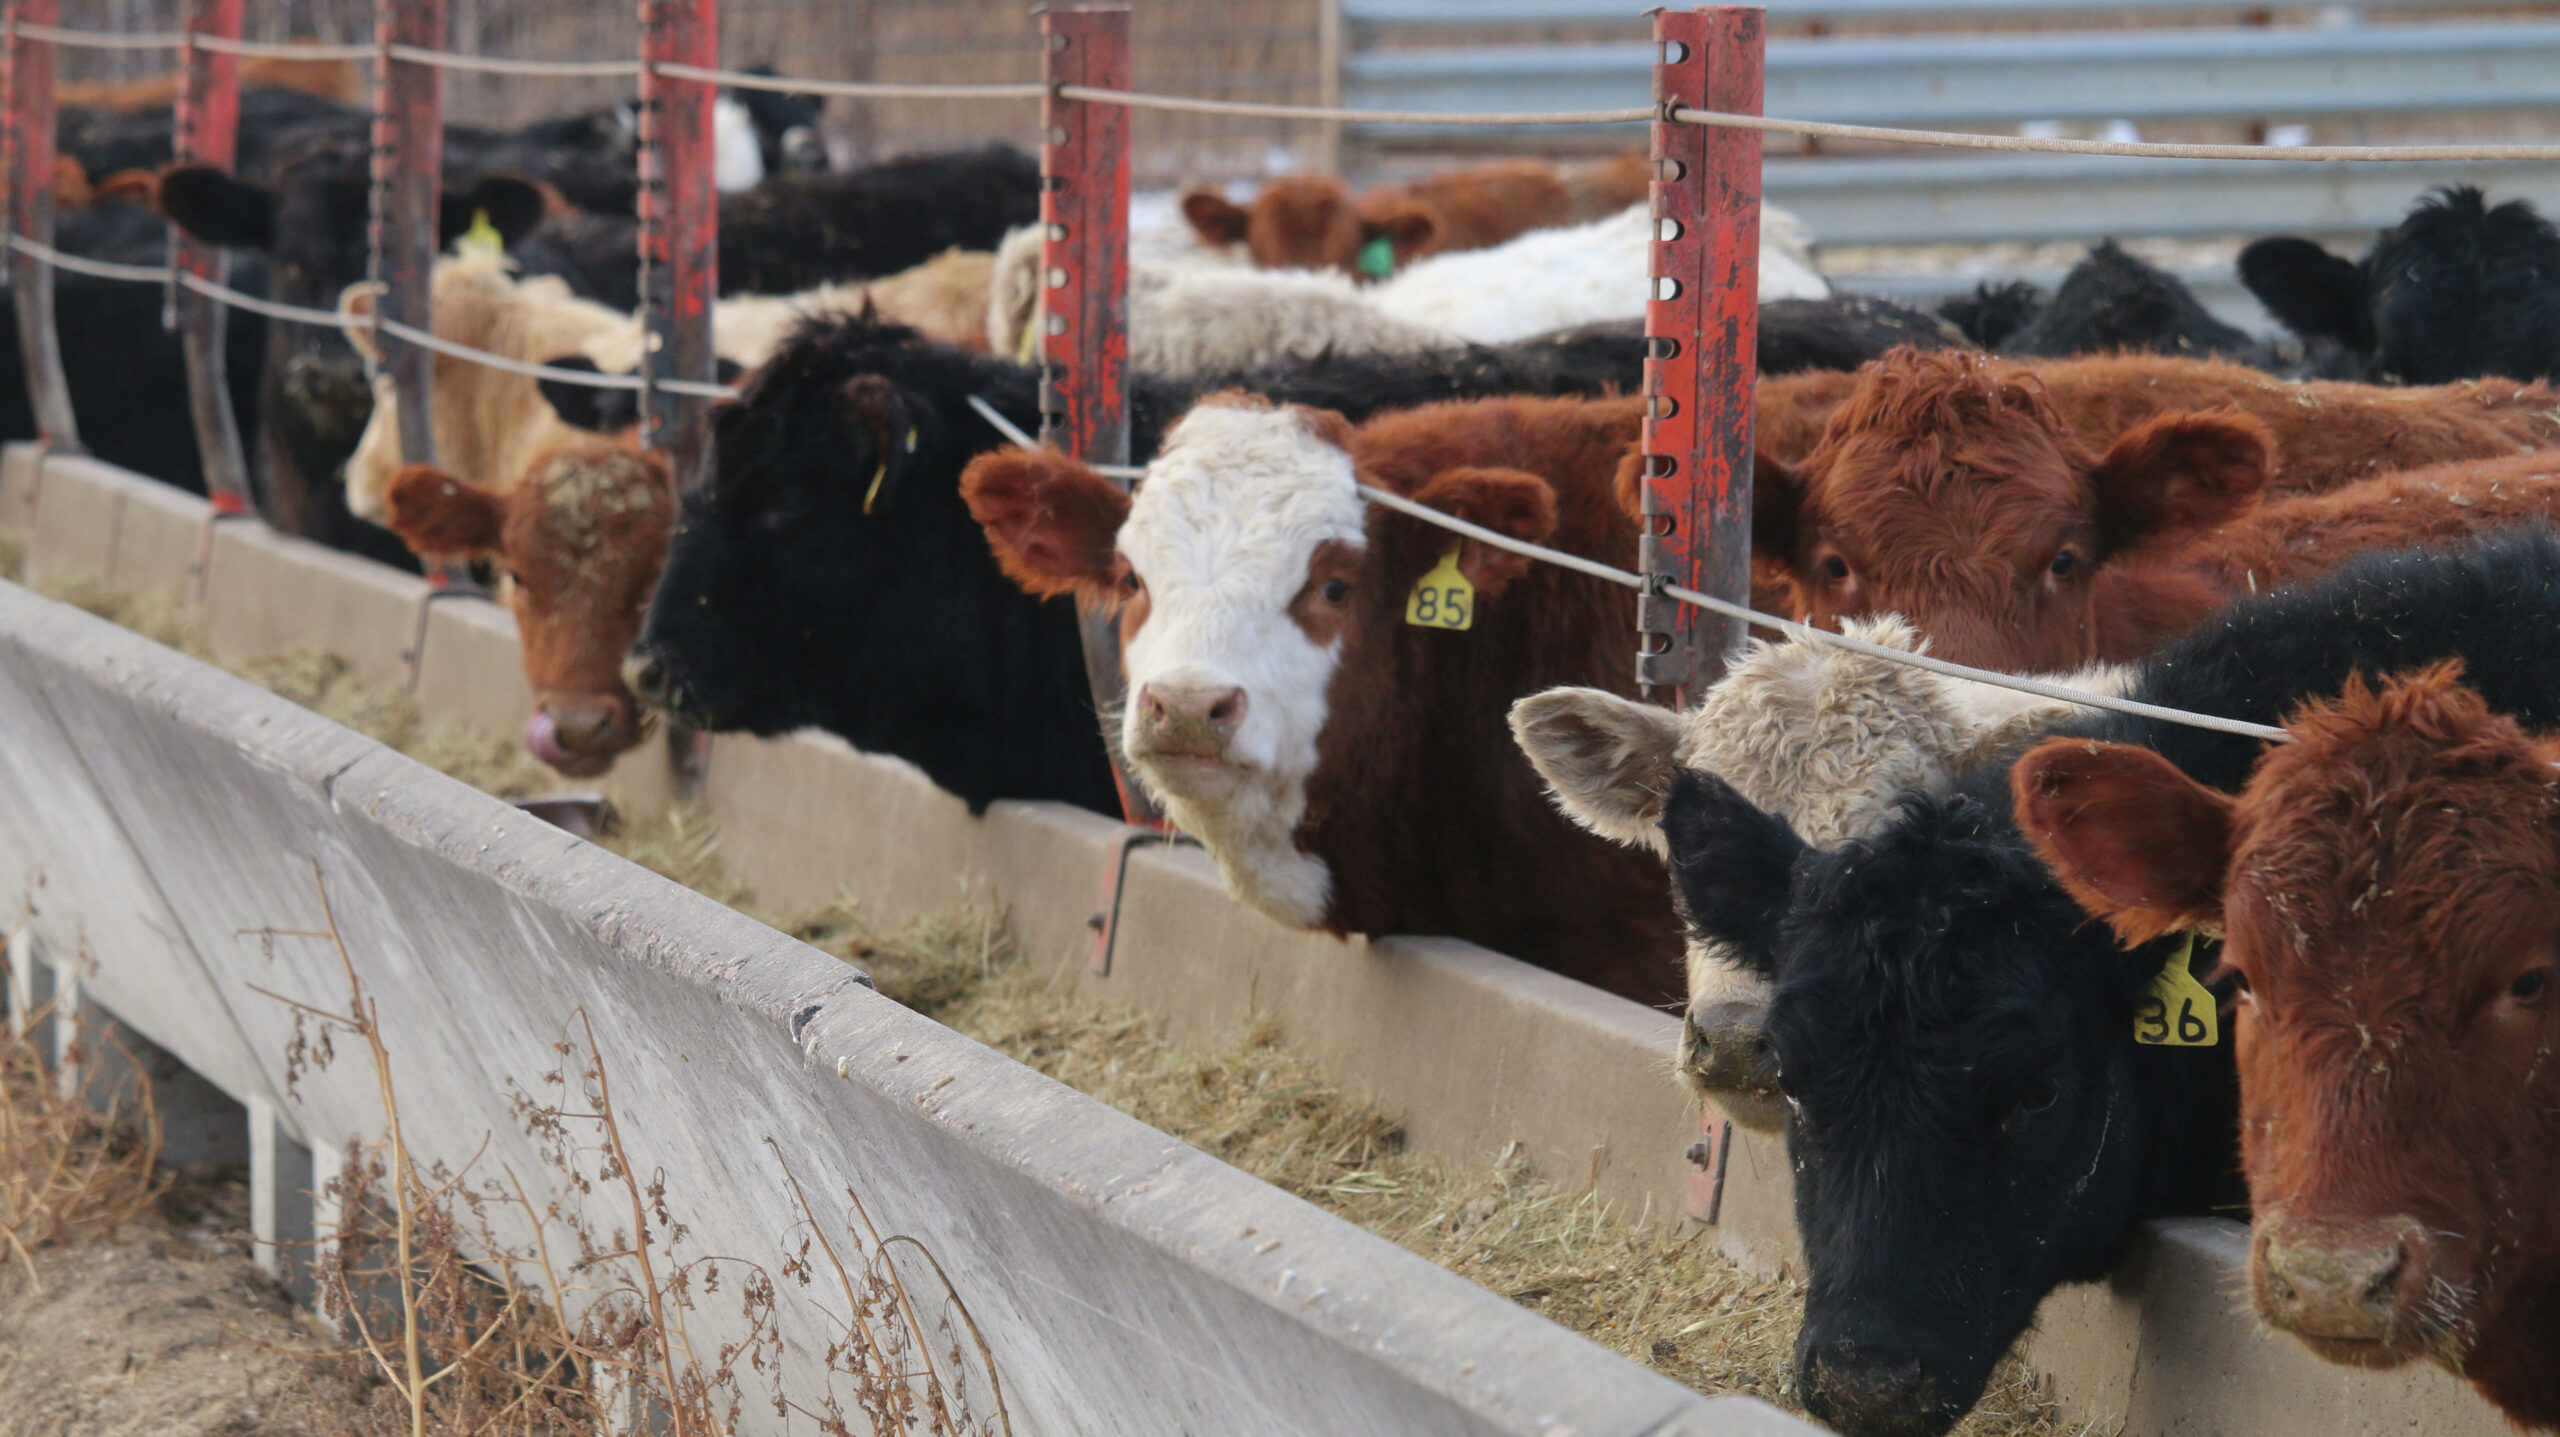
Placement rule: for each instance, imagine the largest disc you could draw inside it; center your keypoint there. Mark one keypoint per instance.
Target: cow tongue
(542, 738)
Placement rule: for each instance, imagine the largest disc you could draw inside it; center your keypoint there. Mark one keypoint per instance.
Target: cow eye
(2040, 1098)
(1130, 583)
(1834, 567)
(2529, 984)
(1335, 591)
(2064, 563)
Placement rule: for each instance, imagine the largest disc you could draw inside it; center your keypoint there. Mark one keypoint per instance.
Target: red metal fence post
(31, 153)
(1702, 327)
(1084, 208)
(679, 226)
(209, 134)
(408, 195)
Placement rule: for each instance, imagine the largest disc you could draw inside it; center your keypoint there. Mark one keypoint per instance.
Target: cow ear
(1412, 226)
(1606, 759)
(586, 406)
(218, 209)
(2310, 291)
(1215, 218)
(356, 304)
(441, 517)
(1733, 864)
(515, 208)
(2172, 477)
(1511, 502)
(1777, 507)
(2135, 841)
(1053, 523)
(71, 189)
(128, 187)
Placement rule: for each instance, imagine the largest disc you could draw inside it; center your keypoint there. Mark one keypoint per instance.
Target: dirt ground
(167, 1331)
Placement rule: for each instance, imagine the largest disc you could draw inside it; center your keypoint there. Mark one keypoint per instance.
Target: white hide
(1237, 501)
(737, 154)
(1557, 278)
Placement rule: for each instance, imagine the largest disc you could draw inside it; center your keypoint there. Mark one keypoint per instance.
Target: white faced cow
(1349, 769)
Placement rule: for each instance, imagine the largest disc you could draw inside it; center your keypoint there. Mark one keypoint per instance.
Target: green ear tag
(483, 235)
(1377, 259)
(2176, 1011)
(1442, 599)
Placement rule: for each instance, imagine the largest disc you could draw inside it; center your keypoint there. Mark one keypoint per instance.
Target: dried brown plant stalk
(78, 1145)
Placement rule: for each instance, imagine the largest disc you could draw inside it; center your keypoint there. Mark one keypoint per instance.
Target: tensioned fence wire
(1804, 633)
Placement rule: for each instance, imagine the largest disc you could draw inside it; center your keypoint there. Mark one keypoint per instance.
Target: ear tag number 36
(2176, 1011)
(1442, 599)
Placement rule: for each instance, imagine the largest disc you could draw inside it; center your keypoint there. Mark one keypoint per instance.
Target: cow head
(2390, 889)
(2457, 290)
(1948, 489)
(1969, 1120)
(583, 536)
(312, 225)
(1245, 568)
(1312, 222)
(1826, 738)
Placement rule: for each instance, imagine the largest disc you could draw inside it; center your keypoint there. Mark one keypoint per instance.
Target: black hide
(2458, 290)
(1970, 1120)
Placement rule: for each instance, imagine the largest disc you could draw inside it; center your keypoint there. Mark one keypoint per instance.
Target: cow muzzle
(1725, 1053)
(581, 735)
(2358, 1292)
(1872, 1394)
(1187, 720)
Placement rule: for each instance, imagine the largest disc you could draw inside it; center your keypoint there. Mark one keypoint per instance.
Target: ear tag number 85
(1442, 599)
(2175, 1010)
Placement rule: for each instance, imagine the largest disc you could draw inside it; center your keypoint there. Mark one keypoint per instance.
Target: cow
(1188, 317)
(1825, 737)
(796, 232)
(1292, 703)
(119, 360)
(1970, 1117)
(1972, 497)
(2459, 289)
(1314, 222)
(764, 624)
(2386, 887)
(578, 535)
(2109, 303)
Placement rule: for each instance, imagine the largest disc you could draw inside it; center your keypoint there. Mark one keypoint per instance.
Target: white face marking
(1234, 506)
(737, 154)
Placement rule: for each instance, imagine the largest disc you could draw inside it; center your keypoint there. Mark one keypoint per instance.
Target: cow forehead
(1240, 496)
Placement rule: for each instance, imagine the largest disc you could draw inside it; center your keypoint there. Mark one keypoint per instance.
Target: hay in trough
(1662, 1296)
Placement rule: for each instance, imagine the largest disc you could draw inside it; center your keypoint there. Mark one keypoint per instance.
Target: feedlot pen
(484, 927)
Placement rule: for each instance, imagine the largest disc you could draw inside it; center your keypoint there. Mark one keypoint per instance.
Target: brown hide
(1421, 804)
(1314, 222)
(583, 536)
(2391, 900)
(2004, 508)
(329, 79)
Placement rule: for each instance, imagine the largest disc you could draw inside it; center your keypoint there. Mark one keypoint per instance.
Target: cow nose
(2359, 1282)
(1867, 1394)
(1189, 720)
(1725, 1053)
(646, 676)
(586, 725)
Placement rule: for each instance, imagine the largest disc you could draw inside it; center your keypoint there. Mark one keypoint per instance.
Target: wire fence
(459, 61)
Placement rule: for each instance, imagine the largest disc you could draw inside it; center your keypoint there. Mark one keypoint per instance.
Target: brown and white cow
(1348, 770)
(1314, 221)
(2388, 889)
(582, 535)
(2020, 515)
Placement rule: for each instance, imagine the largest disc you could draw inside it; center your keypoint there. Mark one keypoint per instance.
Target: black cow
(2458, 290)
(795, 232)
(828, 574)
(105, 140)
(1970, 1119)
(2109, 302)
(126, 373)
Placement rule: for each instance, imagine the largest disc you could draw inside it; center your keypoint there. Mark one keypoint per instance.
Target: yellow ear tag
(484, 236)
(2176, 1011)
(871, 495)
(1442, 599)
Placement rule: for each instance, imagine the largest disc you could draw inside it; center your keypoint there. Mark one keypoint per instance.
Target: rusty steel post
(31, 155)
(1084, 211)
(679, 228)
(209, 134)
(408, 217)
(1702, 325)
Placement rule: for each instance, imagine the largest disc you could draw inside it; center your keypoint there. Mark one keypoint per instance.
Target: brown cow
(583, 535)
(1972, 495)
(1349, 770)
(2389, 888)
(1313, 221)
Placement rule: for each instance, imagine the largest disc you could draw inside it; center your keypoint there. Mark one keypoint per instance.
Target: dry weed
(77, 1157)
